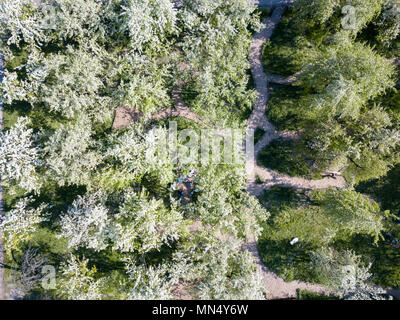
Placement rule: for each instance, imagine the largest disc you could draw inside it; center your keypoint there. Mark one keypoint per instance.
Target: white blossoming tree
(148, 23)
(19, 157)
(86, 222)
(70, 154)
(19, 21)
(78, 281)
(144, 224)
(19, 224)
(218, 269)
(346, 274)
(137, 153)
(149, 282)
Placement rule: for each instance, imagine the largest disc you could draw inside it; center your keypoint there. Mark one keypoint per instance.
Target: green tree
(346, 275)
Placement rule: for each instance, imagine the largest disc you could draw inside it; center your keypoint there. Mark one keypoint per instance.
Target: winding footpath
(275, 286)
(258, 119)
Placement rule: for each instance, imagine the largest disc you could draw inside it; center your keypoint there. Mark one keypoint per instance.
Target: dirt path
(258, 119)
(276, 287)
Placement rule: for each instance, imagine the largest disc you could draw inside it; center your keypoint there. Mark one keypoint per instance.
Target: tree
(86, 223)
(343, 126)
(389, 22)
(344, 272)
(149, 282)
(149, 23)
(216, 72)
(79, 282)
(74, 19)
(351, 212)
(20, 223)
(28, 275)
(143, 224)
(19, 157)
(334, 74)
(354, 15)
(138, 153)
(19, 22)
(74, 82)
(70, 154)
(220, 201)
(329, 216)
(142, 81)
(217, 268)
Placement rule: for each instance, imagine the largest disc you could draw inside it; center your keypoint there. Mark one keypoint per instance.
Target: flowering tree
(74, 82)
(70, 154)
(139, 153)
(148, 23)
(78, 281)
(149, 283)
(19, 21)
(221, 202)
(389, 22)
(20, 223)
(218, 268)
(346, 275)
(144, 224)
(86, 222)
(215, 44)
(19, 157)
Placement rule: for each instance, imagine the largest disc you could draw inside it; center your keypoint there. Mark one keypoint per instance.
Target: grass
(385, 258)
(279, 52)
(286, 156)
(386, 190)
(40, 118)
(308, 295)
(283, 108)
(292, 262)
(258, 134)
(289, 262)
(182, 124)
(277, 196)
(264, 12)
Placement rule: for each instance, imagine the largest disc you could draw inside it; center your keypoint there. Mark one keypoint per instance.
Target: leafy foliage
(19, 157)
